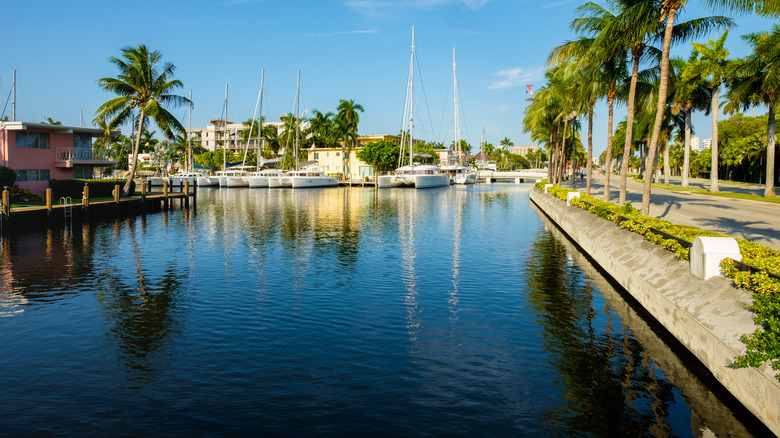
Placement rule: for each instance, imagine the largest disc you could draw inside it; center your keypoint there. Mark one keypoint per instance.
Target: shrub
(7, 177)
(19, 194)
(98, 188)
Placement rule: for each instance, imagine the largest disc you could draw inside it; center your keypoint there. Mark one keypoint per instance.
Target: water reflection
(616, 374)
(332, 312)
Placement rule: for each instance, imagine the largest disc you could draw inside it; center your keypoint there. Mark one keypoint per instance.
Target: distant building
(330, 159)
(40, 152)
(523, 150)
(695, 143)
(706, 144)
(224, 133)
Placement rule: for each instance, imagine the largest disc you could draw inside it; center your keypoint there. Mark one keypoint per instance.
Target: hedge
(764, 344)
(98, 188)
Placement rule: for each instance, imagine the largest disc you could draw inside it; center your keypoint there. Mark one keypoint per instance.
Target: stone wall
(707, 316)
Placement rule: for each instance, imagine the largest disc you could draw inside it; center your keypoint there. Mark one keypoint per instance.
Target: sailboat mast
(457, 118)
(260, 120)
(411, 104)
(297, 118)
(189, 137)
(224, 131)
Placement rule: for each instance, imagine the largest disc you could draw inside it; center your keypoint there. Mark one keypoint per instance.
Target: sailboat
(308, 177)
(420, 176)
(459, 174)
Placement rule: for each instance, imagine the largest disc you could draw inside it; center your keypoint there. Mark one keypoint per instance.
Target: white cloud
(511, 79)
(343, 32)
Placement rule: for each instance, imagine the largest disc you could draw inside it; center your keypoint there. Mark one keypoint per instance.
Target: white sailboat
(308, 177)
(459, 174)
(420, 176)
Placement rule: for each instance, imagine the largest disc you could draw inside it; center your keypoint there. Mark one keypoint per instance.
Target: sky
(345, 49)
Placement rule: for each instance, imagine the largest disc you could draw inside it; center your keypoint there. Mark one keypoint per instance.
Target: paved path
(753, 220)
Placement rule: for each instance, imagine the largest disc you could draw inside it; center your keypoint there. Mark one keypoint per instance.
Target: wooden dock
(85, 209)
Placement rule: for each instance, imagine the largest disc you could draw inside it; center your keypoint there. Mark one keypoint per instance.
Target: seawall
(707, 316)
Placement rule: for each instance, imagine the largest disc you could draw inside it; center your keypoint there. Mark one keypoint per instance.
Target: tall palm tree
(627, 29)
(669, 10)
(348, 119)
(687, 97)
(708, 64)
(144, 84)
(756, 80)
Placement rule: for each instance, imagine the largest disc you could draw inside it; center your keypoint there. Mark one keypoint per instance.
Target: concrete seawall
(707, 316)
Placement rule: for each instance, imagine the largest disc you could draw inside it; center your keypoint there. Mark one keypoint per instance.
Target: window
(338, 154)
(36, 140)
(82, 171)
(82, 141)
(316, 155)
(32, 175)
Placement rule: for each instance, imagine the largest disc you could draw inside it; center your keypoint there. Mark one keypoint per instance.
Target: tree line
(621, 55)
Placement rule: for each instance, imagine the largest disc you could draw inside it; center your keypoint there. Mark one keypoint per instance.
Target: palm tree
(756, 80)
(708, 64)
(323, 126)
(348, 119)
(143, 84)
(669, 10)
(687, 96)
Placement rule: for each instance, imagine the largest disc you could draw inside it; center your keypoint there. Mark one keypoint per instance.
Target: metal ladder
(67, 206)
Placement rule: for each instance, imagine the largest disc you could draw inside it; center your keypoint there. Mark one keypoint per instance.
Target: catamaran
(459, 174)
(420, 176)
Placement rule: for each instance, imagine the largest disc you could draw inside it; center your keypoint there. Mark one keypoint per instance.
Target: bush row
(98, 188)
(764, 344)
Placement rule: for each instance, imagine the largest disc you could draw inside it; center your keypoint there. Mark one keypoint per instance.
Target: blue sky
(345, 49)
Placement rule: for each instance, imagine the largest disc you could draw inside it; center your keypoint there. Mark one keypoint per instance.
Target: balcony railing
(91, 155)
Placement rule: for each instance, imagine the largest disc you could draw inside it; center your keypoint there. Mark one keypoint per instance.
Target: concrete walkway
(752, 220)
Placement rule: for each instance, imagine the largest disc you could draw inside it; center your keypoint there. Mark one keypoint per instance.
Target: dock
(68, 210)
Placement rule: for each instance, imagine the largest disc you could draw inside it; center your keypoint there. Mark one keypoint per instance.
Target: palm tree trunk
(589, 164)
(667, 168)
(136, 150)
(550, 159)
(687, 154)
(629, 129)
(563, 149)
(608, 158)
(659, 115)
(769, 191)
(714, 143)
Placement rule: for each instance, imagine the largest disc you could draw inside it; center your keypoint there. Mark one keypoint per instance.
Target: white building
(706, 144)
(695, 142)
(220, 132)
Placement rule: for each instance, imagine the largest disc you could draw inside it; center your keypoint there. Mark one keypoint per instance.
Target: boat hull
(430, 181)
(465, 178)
(304, 182)
(279, 182)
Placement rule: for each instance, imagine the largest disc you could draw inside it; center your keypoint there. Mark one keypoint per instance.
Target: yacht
(260, 178)
(311, 176)
(419, 176)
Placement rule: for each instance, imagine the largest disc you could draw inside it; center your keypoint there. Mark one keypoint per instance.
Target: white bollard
(489, 180)
(547, 186)
(517, 180)
(707, 252)
(570, 196)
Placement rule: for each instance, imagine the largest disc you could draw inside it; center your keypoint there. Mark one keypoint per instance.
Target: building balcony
(67, 157)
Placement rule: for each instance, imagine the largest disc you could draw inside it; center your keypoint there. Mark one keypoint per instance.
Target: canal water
(336, 312)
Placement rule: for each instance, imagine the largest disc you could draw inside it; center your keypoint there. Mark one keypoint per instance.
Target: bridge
(515, 176)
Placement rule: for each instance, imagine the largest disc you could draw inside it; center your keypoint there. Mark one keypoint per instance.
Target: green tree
(49, 121)
(347, 120)
(145, 85)
(687, 96)
(7, 177)
(756, 80)
(708, 64)
(382, 155)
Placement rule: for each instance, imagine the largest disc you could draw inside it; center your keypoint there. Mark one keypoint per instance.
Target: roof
(59, 129)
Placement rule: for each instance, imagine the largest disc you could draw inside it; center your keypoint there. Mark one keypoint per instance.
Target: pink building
(39, 153)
